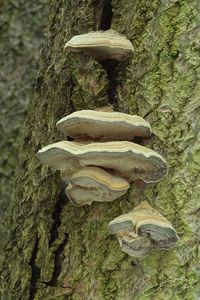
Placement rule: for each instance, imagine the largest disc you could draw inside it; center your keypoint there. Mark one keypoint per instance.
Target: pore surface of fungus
(130, 161)
(142, 229)
(106, 44)
(104, 125)
(95, 184)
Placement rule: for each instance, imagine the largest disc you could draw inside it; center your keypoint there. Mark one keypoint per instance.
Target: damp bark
(69, 249)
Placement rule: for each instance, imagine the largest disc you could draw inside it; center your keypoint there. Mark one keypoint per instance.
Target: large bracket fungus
(105, 44)
(104, 125)
(142, 229)
(129, 160)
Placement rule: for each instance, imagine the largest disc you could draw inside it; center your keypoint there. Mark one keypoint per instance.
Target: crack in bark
(35, 271)
(57, 263)
(102, 14)
(54, 235)
(106, 17)
(57, 212)
(109, 65)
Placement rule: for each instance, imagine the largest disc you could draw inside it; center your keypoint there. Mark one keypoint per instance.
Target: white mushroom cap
(146, 223)
(107, 44)
(95, 184)
(104, 125)
(129, 160)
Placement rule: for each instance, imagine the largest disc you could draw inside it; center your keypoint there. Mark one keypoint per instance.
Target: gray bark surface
(22, 31)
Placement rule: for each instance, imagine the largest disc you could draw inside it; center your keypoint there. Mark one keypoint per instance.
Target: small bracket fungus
(106, 44)
(104, 125)
(142, 229)
(95, 184)
(130, 161)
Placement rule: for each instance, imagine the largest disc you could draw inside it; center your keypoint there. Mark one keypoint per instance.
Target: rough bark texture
(21, 29)
(56, 251)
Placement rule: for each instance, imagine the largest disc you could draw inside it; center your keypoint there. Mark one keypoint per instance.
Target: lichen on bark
(67, 252)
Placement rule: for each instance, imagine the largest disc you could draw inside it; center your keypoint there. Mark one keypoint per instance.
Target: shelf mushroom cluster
(96, 165)
(101, 160)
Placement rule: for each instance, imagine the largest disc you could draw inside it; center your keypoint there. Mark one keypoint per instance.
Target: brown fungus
(130, 161)
(105, 44)
(142, 229)
(104, 125)
(95, 184)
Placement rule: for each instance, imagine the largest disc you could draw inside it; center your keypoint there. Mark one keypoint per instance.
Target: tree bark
(57, 251)
(21, 30)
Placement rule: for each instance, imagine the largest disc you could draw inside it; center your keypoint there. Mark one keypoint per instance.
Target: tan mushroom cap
(95, 184)
(104, 125)
(141, 215)
(107, 44)
(129, 160)
(146, 223)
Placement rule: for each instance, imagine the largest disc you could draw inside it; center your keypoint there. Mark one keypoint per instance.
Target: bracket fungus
(129, 160)
(95, 184)
(106, 44)
(104, 125)
(142, 229)
(100, 162)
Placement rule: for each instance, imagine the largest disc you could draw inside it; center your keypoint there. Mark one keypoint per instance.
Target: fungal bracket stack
(101, 161)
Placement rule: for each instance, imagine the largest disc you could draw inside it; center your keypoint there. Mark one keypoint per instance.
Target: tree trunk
(57, 251)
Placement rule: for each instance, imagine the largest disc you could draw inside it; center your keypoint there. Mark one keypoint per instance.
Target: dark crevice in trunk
(57, 263)
(102, 14)
(106, 18)
(57, 212)
(109, 66)
(102, 21)
(54, 235)
(35, 272)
